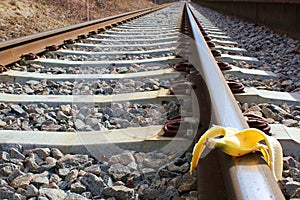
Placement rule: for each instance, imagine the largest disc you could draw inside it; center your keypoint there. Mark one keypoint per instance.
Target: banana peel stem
(200, 146)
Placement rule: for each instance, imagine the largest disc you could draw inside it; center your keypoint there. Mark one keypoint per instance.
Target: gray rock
(286, 83)
(73, 160)
(73, 196)
(119, 172)
(165, 173)
(17, 109)
(87, 195)
(108, 90)
(61, 115)
(123, 158)
(94, 169)
(136, 177)
(32, 82)
(54, 178)
(85, 111)
(7, 169)
(56, 153)
(63, 171)
(268, 113)
(132, 166)
(48, 122)
(154, 163)
(63, 185)
(170, 193)
(107, 111)
(52, 194)
(296, 194)
(42, 152)
(148, 173)
(78, 187)
(290, 123)
(188, 183)
(256, 110)
(192, 195)
(14, 153)
(16, 173)
(294, 173)
(66, 109)
(296, 113)
(150, 194)
(22, 180)
(81, 173)
(92, 121)
(81, 117)
(281, 111)
(285, 164)
(119, 192)
(2, 124)
(7, 193)
(50, 161)
(52, 127)
(31, 191)
(290, 161)
(178, 169)
(122, 70)
(108, 180)
(4, 157)
(123, 123)
(72, 175)
(93, 183)
(79, 124)
(40, 179)
(117, 112)
(291, 187)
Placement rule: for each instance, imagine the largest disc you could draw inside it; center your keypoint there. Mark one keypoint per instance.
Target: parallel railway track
(147, 84)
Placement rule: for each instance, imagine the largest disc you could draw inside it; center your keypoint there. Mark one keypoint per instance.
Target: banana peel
(238, 143)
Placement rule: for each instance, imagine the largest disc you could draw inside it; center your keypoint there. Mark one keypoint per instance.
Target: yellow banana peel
(238, 143)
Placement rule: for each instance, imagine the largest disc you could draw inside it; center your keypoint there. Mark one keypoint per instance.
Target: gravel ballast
(45, 173)
(80, 117)
(277, 53)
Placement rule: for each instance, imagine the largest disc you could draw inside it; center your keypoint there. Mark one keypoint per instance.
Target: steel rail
(12, 50)
(246, 177)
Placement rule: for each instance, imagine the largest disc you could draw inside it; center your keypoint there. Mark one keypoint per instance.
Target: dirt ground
(23, 17)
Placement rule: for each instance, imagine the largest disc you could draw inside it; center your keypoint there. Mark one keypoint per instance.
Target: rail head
(222, 99)
(244, 177)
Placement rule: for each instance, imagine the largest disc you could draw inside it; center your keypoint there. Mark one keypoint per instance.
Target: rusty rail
(220, 176)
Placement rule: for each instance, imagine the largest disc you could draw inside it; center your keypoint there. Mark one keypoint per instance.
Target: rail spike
(3, 69)
(29, 56)
(224, 65)
(258, 122)
(52, 48)
(235, 86)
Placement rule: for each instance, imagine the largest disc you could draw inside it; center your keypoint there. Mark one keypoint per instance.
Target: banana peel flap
(239, 143)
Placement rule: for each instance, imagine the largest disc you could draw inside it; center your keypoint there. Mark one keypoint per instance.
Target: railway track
(133, 83)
